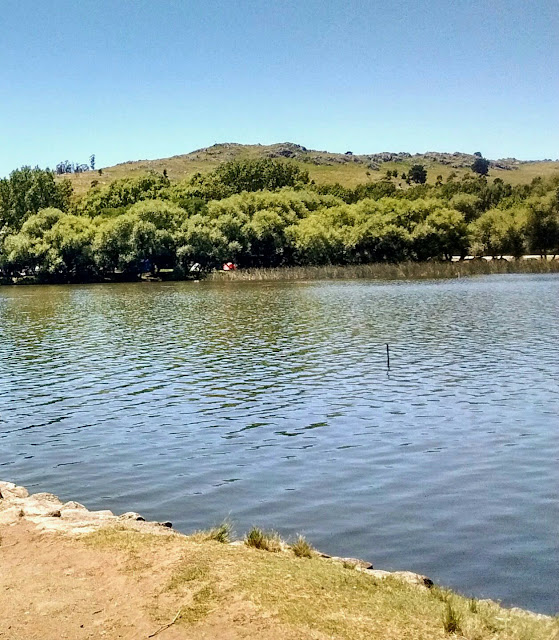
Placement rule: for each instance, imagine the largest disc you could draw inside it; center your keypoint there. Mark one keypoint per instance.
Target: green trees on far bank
(26, 191)
(261, 213)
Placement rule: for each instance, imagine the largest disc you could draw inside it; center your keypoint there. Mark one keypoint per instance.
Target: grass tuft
(265, 540)
(222, 533)
(451, 619)
(302, 549)
(440, 593)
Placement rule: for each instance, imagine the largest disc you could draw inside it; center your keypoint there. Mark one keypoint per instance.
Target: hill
(324, 167)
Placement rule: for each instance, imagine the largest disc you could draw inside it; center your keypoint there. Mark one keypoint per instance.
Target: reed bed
(385, 271)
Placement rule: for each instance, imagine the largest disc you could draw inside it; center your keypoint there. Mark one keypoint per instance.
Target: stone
(132, 515)
(73, 505)
(356, 562)
(10, 490)
(46, 497)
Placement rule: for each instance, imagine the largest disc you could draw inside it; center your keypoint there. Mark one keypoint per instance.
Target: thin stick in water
(387, 357)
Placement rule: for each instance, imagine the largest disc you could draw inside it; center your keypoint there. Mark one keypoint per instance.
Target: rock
(379, 573)
(166, 524)
(356, 562)
(10, 490)
(530, 614)
(73, 505)
(46, 497)
(132, 515)
(10, 515)
(413, 578)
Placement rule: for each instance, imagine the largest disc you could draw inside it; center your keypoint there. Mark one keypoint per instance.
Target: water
(271, 403)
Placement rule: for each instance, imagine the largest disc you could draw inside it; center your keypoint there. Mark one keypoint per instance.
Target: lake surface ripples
(271, 403)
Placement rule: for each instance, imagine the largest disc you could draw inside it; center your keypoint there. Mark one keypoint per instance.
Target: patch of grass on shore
(385, 271)
(314, 597)
(302, 548)
(221, 533)
(265, 540)
(125, 539)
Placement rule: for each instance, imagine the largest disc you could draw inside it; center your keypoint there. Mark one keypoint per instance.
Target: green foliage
(542, 224)
(122, 193)
(260, 175)
(418, 174)
(265, 540)
(52, 243)
(26, 191)
(500, 232)
(468, 204)
(262, 214)
(243, 175)
(146, 232)
(480, 165)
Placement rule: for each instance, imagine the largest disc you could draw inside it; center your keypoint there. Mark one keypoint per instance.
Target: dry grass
(265, 540)
(451, 619)
(348, 174)
(385, 271)
(221, 533)
(302, 549)
(314, 597)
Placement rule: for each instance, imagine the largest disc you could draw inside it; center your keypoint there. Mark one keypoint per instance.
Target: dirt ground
(56, 587)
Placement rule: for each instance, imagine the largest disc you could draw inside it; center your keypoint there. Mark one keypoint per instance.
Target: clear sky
(132, 79)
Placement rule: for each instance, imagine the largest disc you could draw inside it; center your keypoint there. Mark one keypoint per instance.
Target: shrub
(221, 533)
(302, 549)
(265, 540)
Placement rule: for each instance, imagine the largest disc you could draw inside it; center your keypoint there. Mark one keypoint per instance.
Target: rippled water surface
(272, 403)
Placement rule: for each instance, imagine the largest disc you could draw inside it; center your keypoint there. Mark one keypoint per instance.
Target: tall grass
(265, 540)
(302, 548)
(221, 533)
(384, 271)
(451, 619)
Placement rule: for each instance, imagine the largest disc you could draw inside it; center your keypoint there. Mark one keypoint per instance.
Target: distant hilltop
(324, 167)
(226, 151)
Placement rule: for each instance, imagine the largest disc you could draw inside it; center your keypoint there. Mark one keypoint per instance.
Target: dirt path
(59, 588)
(55, 587)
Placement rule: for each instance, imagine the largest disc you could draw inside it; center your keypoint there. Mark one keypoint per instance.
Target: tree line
(260, 213)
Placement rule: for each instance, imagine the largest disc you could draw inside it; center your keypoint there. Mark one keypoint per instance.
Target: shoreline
(372, 271)
(64, 562)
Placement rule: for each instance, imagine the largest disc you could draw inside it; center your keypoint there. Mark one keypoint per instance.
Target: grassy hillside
(323, 167)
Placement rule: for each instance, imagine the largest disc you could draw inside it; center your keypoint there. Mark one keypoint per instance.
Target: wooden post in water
(387, 357)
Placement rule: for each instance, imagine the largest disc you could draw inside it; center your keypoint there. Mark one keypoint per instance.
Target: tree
(481, 166)
(500, 232)
(417, 174)
(28, 190)
(92, 161)
(542, 225)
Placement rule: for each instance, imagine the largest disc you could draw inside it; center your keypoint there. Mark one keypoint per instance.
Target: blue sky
(132, 79)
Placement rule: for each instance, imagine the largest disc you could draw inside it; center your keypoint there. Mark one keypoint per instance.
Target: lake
(272, 404)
